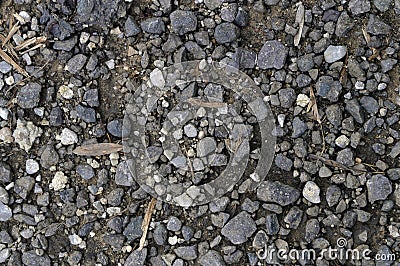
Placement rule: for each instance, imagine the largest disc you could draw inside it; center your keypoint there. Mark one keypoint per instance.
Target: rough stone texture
(275, 191)
(272, 55)
(239, 228)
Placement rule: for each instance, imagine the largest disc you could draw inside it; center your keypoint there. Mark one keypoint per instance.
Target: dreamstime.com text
(341, 253)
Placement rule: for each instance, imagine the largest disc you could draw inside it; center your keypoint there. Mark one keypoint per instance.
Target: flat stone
(123, 176)
(186, 252)
(154, 153)
(5, 67)
(29, 95)
(379, 188)
(334, 53)
(299, 127)
(359, 6)
(239, 228)
(272, 55)
(5, 212)
(5, 173)
(283, 162)
(226, 33)
(344, 24)
(114, 127)
(183, 22)
(153, 25)
(205, 146)
(211, 258)
(87, 114)
(136, 258)
(85, 171)
(275, 191)
(382, 5)
(23, 186)
(133, 229)
(377, 27)
(354, 109)
(131, 27)
(76, 63)
(30, 258)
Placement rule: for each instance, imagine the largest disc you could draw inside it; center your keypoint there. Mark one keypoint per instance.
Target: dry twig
(146, 222)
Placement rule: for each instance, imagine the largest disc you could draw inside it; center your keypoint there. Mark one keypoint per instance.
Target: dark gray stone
(377, 27)
(299, 127)
(245, 58)
(87, 114)
(5, 173)
(272, 55)
(312, 230)
(394, 174)
(333, 194)
(283, 162)
(160, 234)
(186, 252)
(211, 258)
(344, 24)
(29, 95)
(226, 33)
(123, 176)
(370, 104)
(287, 97)
(354, 109)
(49, 157)
(76, 63)
(329, 88)
(183, 21)
(114, 127)
(239, 228)
(275, 191)
(91, 97)
(153, 25)
(56, 117)
(136, 258)
(305, 62)
(23, 186)
(85, 171)
(379, 188)
(382, 5)
(271, 224)
(359, 6)
(131, 27)
(30, 258)
(5, 212)
(133, 229)
(334, 115)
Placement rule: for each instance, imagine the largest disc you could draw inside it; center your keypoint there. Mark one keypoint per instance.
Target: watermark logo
(159, 121)
(272, 255)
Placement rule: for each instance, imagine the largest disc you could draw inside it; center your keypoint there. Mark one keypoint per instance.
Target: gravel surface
(326, 73)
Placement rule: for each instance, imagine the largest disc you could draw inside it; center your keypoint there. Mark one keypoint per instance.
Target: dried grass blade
(146, 222)
(9, 60)
(98, 149)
